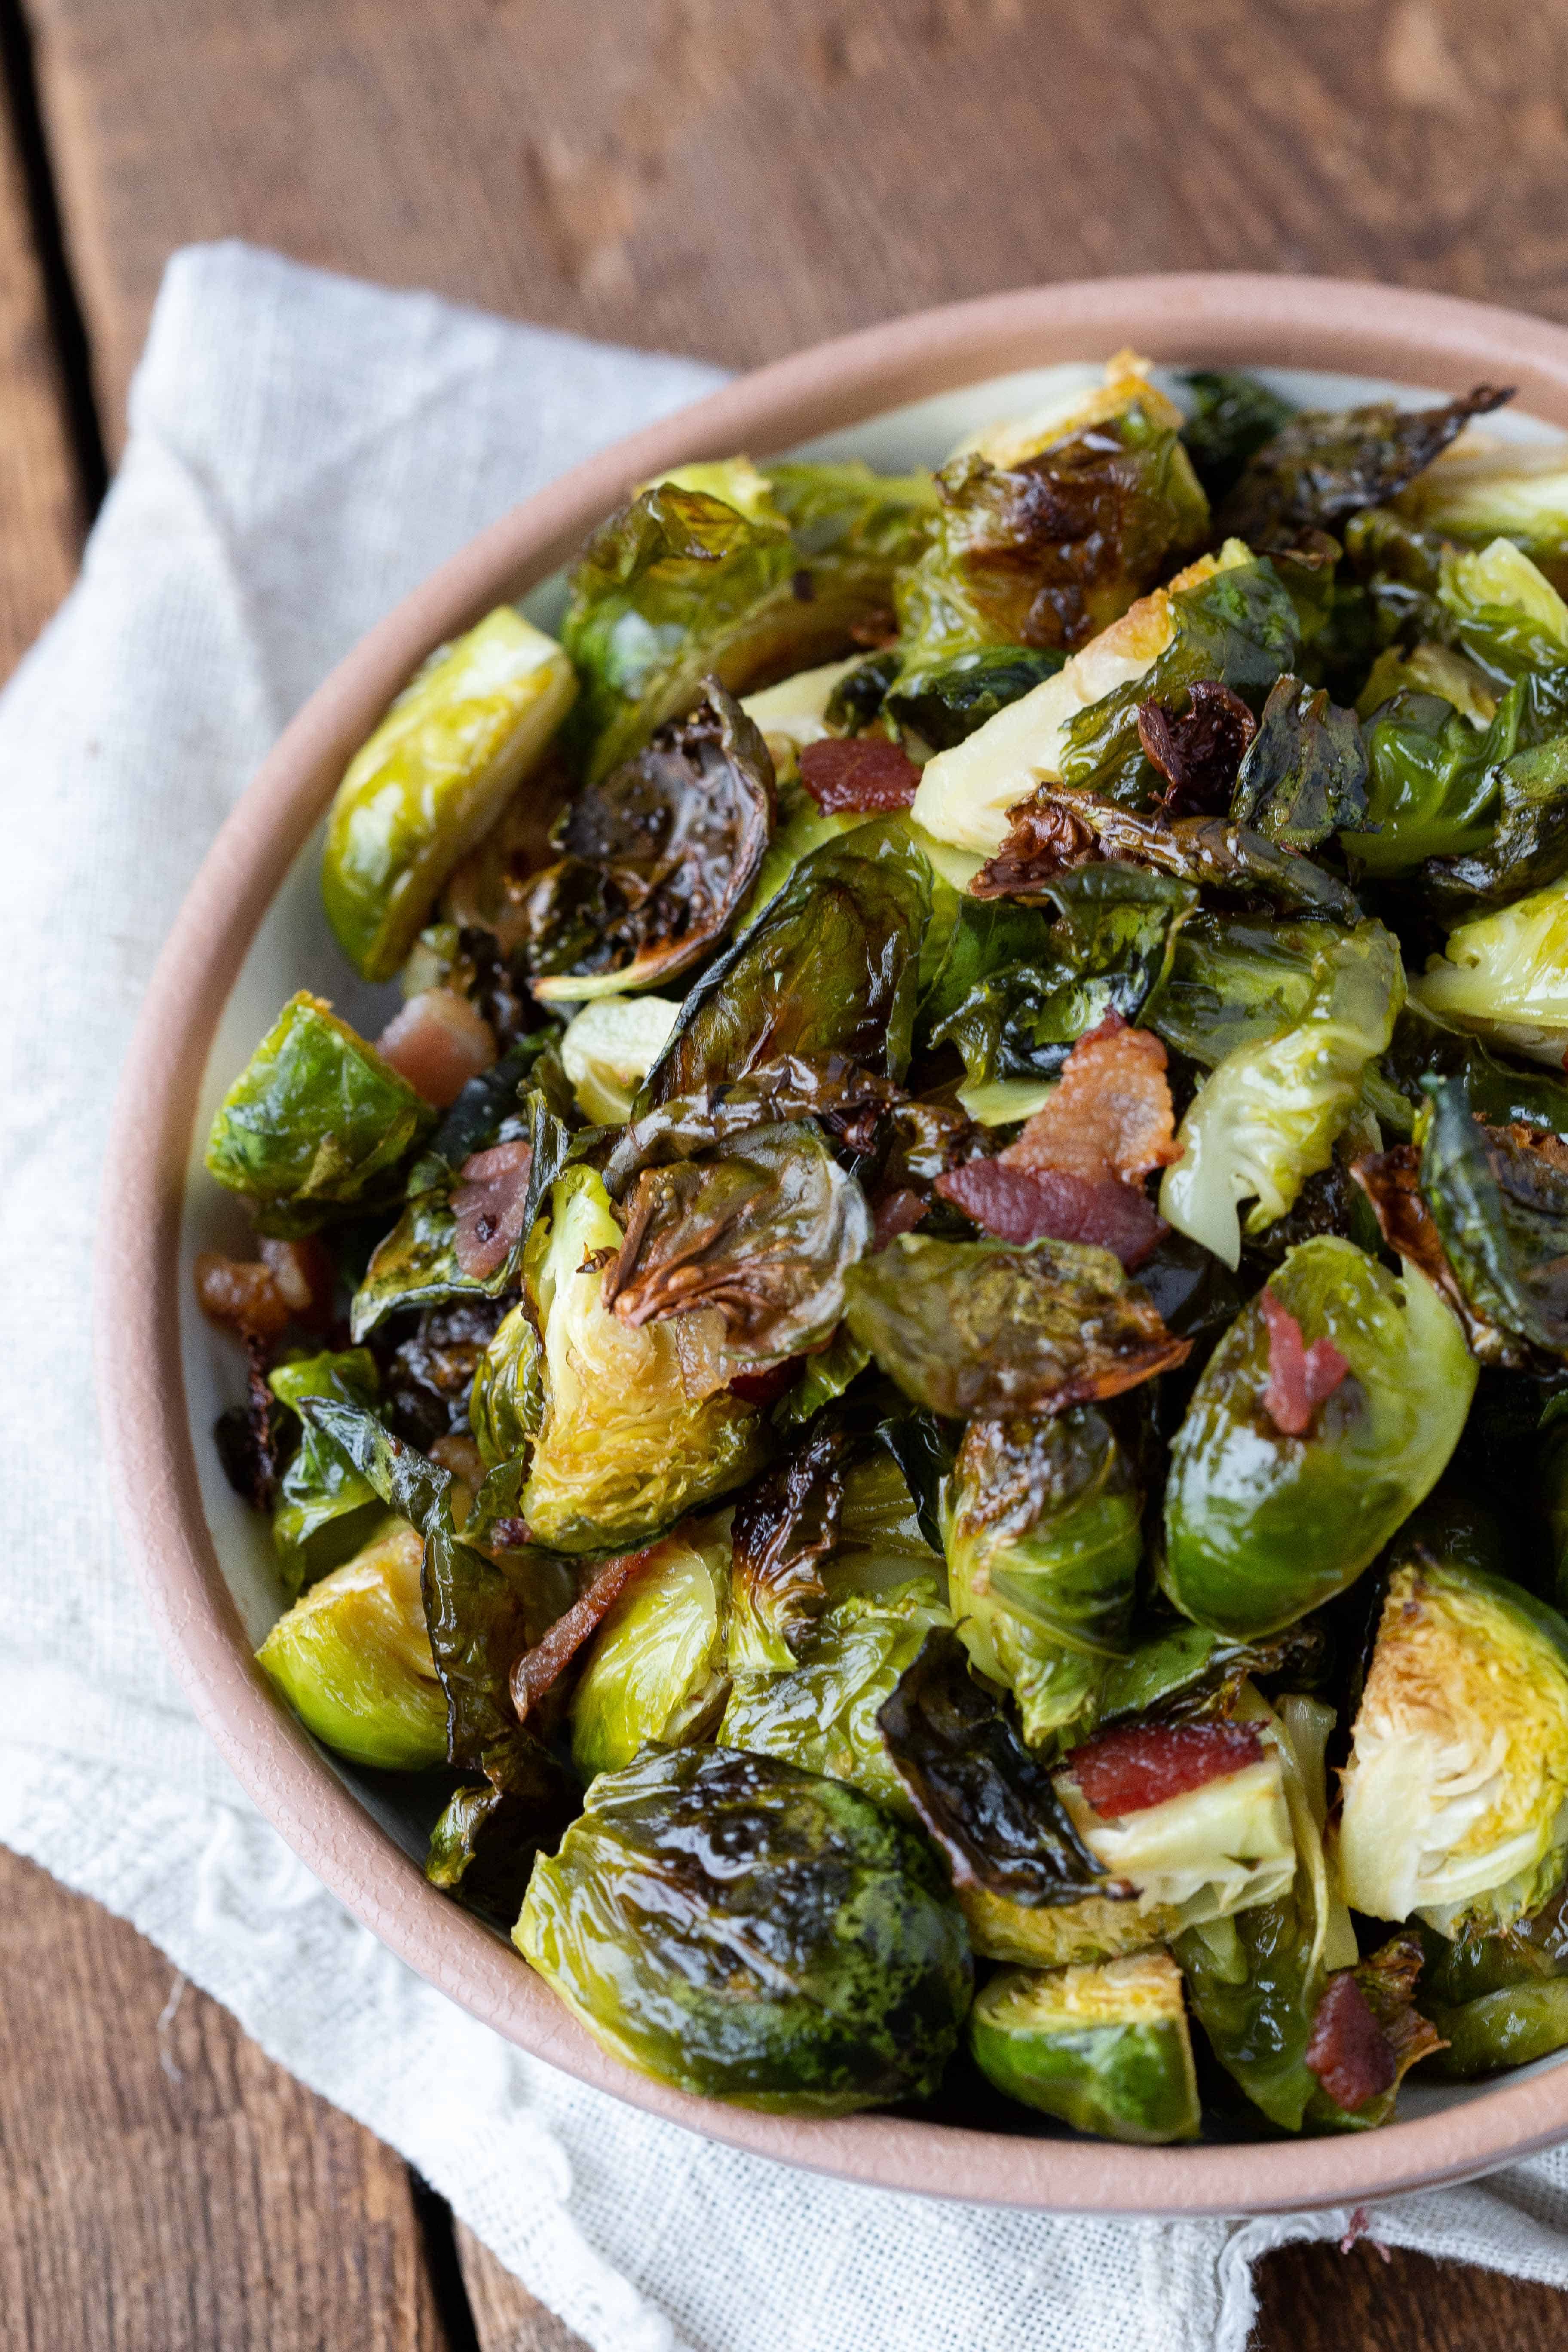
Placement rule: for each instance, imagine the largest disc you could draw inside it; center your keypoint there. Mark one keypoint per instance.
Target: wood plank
(40, 513)
(1314, 2295)
(735, 179)
(166, 2187)
(506, 2316)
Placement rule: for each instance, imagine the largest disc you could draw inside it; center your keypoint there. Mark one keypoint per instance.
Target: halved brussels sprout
(1268, 1118)
(656, 1670)
(736, 1927)
(822, 1715)
(1042, 1550)
(325, 1511)
(438, 770)
(1506, 613)
(1263, 1525)
(506, 1403)
(353, 1658)
(1499, 1996)
(1079, 1934)
(1506, 976)
(983, 1329)
(623, 1451)
(1106, 2049)
(608, 1050)
(315, 1123)
(1454, 1790)
(1208, 1851)
(1505, 491)
(745, 574)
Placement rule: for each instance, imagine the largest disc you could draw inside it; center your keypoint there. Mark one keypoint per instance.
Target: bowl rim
(1219, 318)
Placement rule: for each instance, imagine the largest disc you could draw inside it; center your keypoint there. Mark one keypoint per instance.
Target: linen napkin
(302, 451)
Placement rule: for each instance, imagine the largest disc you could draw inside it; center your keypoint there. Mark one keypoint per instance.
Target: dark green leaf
(1501, 1212)
(1324, 466)
(1304, 773)
(1233, 416)
(946, 704)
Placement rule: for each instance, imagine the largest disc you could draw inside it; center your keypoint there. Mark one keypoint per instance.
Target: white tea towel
(302, 451)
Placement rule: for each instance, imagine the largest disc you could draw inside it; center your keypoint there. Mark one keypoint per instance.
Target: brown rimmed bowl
(250, 932)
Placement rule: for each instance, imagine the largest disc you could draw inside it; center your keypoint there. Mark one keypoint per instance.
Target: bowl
(251, 931)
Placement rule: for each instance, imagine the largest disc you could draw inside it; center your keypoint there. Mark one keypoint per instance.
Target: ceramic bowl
(251, 932)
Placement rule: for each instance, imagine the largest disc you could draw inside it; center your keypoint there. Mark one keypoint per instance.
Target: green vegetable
(655, 1670)
(1498, 1995)
(1231, 417)
(352, 1657)
(315, 1123)
(1325, 465)
(1106, 2049)
(1261, 1527)
(1043, 1553)
(608, 1050)
(1506, 976)
(434, 776)
(737, 1927)
(981, 1329)
(1304, 773)
(1500, 1092)
(325, 1511)
(506, 1403)
(946, 704)
(1505, 612)
(1512, 492)
(1502, 1212)
(1268, 1117)
(1237, 980)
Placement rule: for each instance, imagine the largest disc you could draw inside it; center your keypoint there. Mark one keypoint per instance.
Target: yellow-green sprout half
(1267, 1118)
(1210, 1852)
(1506, 976)
(353, 1657)
(610, 1048)
(656, 1667)
(1106, 2049)
(434, 776)
(1455, 1791)
(1063, 1934)
(624, 1450)
(1478, 494)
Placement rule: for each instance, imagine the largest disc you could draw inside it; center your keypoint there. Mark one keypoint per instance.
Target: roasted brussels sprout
(608, 1050)
(324, 1510)
(1459, 1766)
(1506, 976)
(656, 1670)
(738, 1927)
(1042, 1553)
(1283, 1486)
(316, 1122)
(506, 1403)
(1498, 1995)
(1232, 416)
(1268, 1118)
(1303, 775)
(1322, 466)
(436, 773)
(946, 705)
(623, 1450)
(1106, 2049)
(1500, 1204)
(1501, 492)
(352, 1657)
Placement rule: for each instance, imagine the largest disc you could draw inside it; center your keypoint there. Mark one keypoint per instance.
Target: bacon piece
(1109, 1118)
(488, 1205)
(865, 772)
(1031, 1204)
(1123, 1773)
(895, 1214)
(302, 1275)
(539, 1669)
(766, 1387)
(242, 1293)
(1044, 839)
(1299, 1378)
(1347, 2049)
(437, 1043)
(1197, 751)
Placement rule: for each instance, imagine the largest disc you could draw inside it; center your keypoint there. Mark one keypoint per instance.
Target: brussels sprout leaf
(1324, 466)
(946, 705)
(1304, 775)
(324, 1509)
(1233, 416)
(1501, 1207)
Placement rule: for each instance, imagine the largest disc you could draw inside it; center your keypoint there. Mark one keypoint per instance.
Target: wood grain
(1360, 2301)
(506, 2316)
(165, 2187)
(40, 514)
(737, 179)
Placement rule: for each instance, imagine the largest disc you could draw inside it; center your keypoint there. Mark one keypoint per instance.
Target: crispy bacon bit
(1123, 1773)
(1347, 2049)
(1031, 1204)
(1045, 838)
(540, 1668)
(1299, 1378)
(303, 1274)
(242, 1293)
(437, 1043)
(1198, 750)
(489, 1206)
(895, 1214)
(1539, 1141)
(865, 772)
(1111, 1117)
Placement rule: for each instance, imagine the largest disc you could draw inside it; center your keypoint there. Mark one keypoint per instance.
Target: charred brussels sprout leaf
(434, 776)
(721, 569)
(983, 1329)
(784, 1528)
(353, 1657)
(1498, 1995)
(736, 1927)
(1233, 416)
(482, 1847)
(822, 1715)
(1237, 980)
(316, 1123)
(1262, 1526)
(506, 1404)
(655, 859)
(946, 704)
(1500, 1208)
(1304, 773)
(1105, 2048)
(1042, 1551)
(763, 1234)
(1432, 784)
(1323, 467)
(655, 1670)
(828, 967)
(1191, 1673)
(324, 1511)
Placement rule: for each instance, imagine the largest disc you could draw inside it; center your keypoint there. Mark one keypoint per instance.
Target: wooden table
(732, 180)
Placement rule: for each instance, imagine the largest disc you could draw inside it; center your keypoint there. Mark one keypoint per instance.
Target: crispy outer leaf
(830, 966)
(324, 1511)
(482, 1849)
(990, 1807)
(1213, 851)
(1233, 416)
(1501, 1207)
(1324, 466)
(845, 1098)
(1304, 775)
(945, 704)
(786, 1526)
(986, 1328)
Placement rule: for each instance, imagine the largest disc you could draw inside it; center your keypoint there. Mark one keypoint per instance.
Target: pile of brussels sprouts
(925, 1381)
